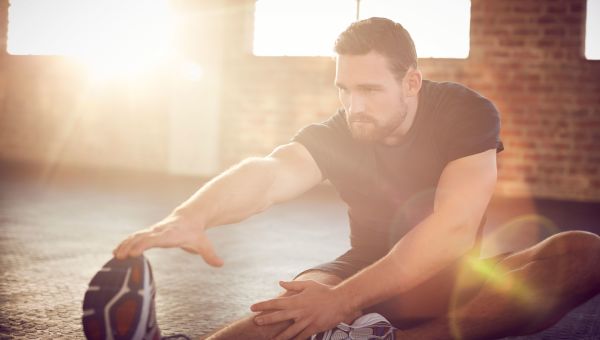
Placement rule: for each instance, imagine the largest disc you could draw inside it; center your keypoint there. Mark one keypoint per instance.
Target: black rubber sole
(123, 315)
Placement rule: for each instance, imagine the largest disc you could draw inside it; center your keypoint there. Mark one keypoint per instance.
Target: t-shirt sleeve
(472, 127)
(324, 142)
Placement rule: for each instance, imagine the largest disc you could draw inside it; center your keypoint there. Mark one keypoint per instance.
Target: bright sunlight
(112, 37)
(440, 28)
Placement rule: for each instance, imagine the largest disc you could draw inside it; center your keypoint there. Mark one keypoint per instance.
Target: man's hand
(173, 231)
(315, 308)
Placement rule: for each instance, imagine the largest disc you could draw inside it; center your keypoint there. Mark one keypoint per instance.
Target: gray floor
(57, 230)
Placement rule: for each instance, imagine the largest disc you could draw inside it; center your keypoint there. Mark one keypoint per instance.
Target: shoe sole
(119, 302)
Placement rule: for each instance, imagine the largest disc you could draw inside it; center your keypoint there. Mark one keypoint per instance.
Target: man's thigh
(446, 290)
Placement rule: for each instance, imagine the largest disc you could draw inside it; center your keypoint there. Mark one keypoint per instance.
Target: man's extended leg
(524, 293)
(247, 329)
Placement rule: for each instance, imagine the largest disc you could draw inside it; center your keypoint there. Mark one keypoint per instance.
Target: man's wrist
(349, 301)
(190, 218)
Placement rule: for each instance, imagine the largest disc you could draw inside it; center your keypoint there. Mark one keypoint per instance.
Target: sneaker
(368, 327)
(119, 303)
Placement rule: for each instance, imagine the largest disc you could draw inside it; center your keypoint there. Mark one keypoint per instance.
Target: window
(592, 30)
(299, 27)
(114, 34)
(440, 28)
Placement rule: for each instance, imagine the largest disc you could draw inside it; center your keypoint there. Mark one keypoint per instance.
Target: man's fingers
(274, 317)
(208, 252)
(293, 330)
(123, 249)
(163, 237)
(294, 285)
(306, 333)
(137, 243)
(146, 241)
(212, 259)
(277, 303)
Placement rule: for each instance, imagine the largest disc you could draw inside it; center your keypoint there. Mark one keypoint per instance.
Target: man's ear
(412, 82)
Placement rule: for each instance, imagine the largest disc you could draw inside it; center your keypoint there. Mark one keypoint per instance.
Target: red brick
(511, 42)
(545, 43)
(511, 132)
(527, 31)
(572, 19)
(496, 31)
(576, 7)
(526, 54)
(560, 9)
(527, 8)
(529, 144)
(547, 19)
(556, 31)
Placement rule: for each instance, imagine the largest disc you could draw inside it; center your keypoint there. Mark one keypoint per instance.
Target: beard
(367, 129)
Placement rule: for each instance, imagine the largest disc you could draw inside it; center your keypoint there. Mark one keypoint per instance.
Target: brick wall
(532, 52)
(526, 55)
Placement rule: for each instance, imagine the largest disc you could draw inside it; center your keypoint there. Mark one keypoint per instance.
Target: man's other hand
(314, 308)
(173, 231)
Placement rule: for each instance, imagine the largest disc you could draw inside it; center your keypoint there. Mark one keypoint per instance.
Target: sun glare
(592, 30)
(299, 28)
(440, 28)
(111, 37)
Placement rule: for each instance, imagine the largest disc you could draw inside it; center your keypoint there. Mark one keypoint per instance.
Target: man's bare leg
(247, 329)
(525, 293)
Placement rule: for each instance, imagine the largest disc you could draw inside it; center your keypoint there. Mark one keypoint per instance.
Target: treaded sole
(124, 312)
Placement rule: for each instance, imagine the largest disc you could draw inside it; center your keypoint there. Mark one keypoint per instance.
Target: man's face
(371, 96)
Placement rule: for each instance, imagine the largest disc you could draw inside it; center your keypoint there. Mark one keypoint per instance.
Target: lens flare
(475, 270)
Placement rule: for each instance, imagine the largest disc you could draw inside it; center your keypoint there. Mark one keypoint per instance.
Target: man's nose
(357, 104)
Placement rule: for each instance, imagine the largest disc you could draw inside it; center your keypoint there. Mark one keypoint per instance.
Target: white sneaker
(368, 327)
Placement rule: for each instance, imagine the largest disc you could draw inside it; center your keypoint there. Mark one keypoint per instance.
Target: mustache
(360, 118)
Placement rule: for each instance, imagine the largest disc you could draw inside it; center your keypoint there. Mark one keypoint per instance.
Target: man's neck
(397, 136)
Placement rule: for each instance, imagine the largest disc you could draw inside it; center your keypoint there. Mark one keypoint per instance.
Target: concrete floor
(56, 231)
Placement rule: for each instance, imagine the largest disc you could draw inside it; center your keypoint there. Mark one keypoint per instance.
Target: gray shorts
(351, 262)
(358, 258)
(362, 255)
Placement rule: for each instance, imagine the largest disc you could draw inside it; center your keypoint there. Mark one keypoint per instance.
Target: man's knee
(577, 241)
(566, 263)
(585, 246)
(583, 250)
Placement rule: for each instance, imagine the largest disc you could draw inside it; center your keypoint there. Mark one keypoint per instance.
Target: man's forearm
(429, 247)
(232, 196)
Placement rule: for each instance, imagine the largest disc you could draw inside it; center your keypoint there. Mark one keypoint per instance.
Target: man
(415, 161)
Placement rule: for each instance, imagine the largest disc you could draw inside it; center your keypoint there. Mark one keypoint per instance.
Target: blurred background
(192, 87)
(113, 112)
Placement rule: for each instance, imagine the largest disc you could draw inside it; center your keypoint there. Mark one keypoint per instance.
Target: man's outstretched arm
(463, 193)
(242, 191)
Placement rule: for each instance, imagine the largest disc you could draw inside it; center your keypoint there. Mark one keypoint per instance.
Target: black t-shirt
(390, 189)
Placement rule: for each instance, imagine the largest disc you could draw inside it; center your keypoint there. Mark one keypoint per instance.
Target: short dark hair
(383, 36)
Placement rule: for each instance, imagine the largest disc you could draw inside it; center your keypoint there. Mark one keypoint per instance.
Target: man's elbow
(464, 233)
